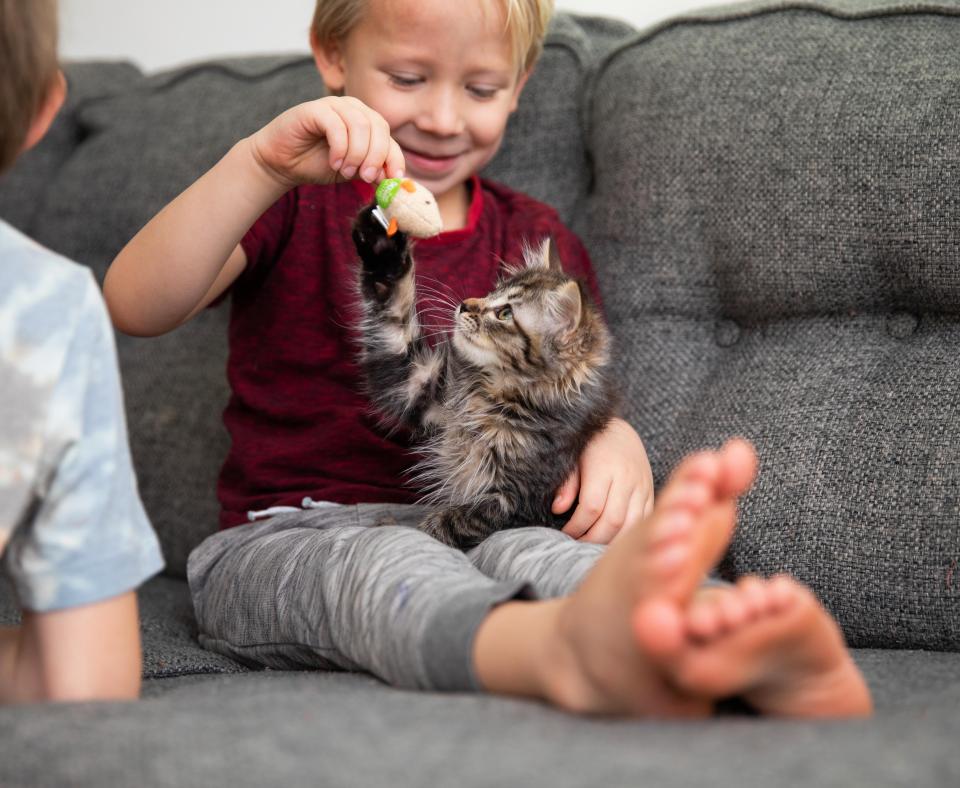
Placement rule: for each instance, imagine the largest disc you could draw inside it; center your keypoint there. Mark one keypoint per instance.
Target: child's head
(31, 85)
(445, 75)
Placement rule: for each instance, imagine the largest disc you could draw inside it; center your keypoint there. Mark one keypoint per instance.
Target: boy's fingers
(358, 139)
(567, 493)
(648, 505)
(322, 122)
(377, 152)
(610, 522)
(396, 164)
(588, 511)
(634, 516)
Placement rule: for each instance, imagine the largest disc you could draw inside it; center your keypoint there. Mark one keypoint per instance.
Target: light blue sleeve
(83, 535)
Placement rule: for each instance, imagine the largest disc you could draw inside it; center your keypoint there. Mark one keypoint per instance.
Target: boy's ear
(329, 59)
(47, 112)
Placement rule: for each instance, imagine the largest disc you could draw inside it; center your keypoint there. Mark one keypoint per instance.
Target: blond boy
(73, 533)
(424, 88)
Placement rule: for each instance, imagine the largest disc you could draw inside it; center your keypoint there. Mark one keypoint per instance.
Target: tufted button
(902, 325)
(727, 333)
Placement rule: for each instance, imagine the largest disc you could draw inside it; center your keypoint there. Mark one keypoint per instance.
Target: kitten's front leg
(463, 526)
(402, 372)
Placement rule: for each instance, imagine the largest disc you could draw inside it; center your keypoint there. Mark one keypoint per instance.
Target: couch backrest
(769, 194)
(126, 144)
(776, 215)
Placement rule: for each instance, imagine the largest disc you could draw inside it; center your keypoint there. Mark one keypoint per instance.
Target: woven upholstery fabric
(776, 214)
(347, 730)
(24, 187)
(168, 631)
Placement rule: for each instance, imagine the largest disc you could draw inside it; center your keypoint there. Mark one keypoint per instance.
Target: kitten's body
(506, 407)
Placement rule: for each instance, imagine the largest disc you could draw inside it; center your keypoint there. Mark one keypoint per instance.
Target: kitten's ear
(568, 306)
(538, 258)
(553, 255)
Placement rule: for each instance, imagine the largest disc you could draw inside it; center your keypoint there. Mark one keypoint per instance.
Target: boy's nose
(441, 115)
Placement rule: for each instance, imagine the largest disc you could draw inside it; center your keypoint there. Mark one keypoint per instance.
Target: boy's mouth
(427, 163)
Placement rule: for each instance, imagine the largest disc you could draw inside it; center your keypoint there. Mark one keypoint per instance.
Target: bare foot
(769, 642)
(596, 664)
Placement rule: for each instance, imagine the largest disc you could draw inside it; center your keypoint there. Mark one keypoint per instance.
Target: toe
(670, 526)
(669, 559)
(703, 466)
(752, 591)
(659, 629)
(783, 592)
(733, 611)
(737, 467)
(692, 494)
(703, 619)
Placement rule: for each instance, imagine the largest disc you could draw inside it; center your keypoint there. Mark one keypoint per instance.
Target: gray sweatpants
(322, 588)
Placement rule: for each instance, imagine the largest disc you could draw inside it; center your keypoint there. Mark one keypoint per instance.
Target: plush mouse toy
(405, 205)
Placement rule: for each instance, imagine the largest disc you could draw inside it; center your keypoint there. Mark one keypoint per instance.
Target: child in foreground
(425, 89)
(74, 537)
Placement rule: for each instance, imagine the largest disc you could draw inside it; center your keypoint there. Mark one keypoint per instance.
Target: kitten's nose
(470, 305)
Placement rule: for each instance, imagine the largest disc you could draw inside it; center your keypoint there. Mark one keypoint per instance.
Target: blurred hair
(526, 23)
(28, 68)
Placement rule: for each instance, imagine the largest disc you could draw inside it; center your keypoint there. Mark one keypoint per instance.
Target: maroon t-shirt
(299, 424)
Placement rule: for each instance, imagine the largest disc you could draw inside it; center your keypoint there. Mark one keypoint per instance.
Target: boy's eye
(405, 80)
(504, 313)
(482, 92)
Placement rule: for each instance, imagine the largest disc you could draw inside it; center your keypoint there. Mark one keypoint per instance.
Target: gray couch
(771, 194)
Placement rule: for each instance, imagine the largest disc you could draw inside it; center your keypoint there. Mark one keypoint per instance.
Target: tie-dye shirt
(72, 528)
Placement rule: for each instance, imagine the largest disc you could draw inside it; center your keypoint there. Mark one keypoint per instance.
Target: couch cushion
(776, 213)
(168, 630)
(169, 633)
(141, 146)
(331, 729)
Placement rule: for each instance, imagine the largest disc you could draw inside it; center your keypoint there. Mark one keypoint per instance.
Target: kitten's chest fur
(508, 451)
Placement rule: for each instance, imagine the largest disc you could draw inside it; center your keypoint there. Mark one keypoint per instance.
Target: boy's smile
(444, 78)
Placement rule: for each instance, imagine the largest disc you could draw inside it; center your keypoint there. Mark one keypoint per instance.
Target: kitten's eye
(504, 313)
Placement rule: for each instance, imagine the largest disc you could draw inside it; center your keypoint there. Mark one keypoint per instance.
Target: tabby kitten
(506, 406)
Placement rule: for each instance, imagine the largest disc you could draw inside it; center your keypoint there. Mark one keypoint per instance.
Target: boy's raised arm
(189, 253)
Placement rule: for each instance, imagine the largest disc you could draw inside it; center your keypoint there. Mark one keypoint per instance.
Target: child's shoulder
(41, 292)
(24, 261)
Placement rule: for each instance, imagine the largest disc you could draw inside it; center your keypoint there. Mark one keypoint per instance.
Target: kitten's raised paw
(379, 251)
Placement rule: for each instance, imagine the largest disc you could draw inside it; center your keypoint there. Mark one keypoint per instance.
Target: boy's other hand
(614, 482)
(321, 141)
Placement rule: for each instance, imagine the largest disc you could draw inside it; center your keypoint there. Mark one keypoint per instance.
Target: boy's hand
(615, 485)
(317, 142)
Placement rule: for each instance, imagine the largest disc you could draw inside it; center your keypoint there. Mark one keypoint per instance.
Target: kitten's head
(538, 325)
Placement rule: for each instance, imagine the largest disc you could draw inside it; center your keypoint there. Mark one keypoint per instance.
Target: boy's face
(443, 76)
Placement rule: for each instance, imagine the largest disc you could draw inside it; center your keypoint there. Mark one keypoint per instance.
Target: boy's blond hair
(526, 24)
(28, 68)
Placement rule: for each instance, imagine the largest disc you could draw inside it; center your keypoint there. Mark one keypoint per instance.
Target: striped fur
(505, 406)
